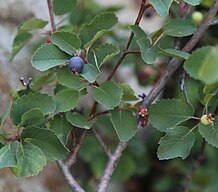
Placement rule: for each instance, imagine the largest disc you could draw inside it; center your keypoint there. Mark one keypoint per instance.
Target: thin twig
(72, 157)
(51, 14)
(175, 63)
(110, 167)
(70, 179)
(101, 142)
(125, 50)
(195, 167)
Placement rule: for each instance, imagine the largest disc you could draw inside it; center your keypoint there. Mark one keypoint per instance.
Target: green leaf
(105, 52)
(125, 124)
(79, 120)
(66, 100)
(210, 132)
(30, 160)
(27, 102)
(138, 31)
(61, 127)
(8, 155)
(108, 94)
(66, 41)
(207, 61)
(208, 71)
(47, 141)
(180, 28)
(90, 73)
(128, 93)
(5, 114)
(63, 6)
(66, 78)
(177, 142)
(148, 53)
(161, 6)
(32, 117)
(19, 42)
(175, 53)
(32, 24)
(89, 33)
(48, 56)
(41, 80)
(193, 2)
(168, 113)
(23, 37)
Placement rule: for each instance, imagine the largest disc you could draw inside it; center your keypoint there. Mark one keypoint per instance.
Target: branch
(125, 50)
(195, 167)
(69, 178)
(101, 142)
(51, 14)
(72, 157)
(175, 63)
(110, 167)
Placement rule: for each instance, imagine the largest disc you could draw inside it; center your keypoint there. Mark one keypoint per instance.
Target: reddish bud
(48, 40)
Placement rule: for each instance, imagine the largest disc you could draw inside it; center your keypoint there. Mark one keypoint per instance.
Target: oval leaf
(197, 56)
(61, 127)
(31, 101)
(175, 53)
(30, 160)
(177, 142)
(89, 33)
(8, 155)
(128, 93)
(66, 41)
(48, 56)
(180, 28)
(32, 117)
(79, 120)
(108, 94)
(124, 123)
(148, 53)
(161, 6)
(168, 113)
(90, 73)
(66, 78)
(66, 100)
(47, 141)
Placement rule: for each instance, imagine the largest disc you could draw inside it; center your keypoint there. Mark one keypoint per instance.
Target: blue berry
(76, 64)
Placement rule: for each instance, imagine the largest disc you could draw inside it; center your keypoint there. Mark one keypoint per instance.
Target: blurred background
(139, 169)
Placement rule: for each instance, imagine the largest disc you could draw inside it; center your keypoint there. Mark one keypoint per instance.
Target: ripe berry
(76, 64)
